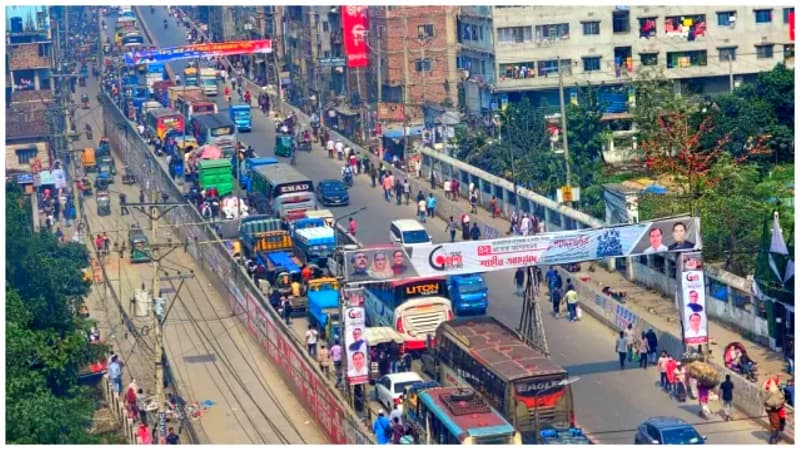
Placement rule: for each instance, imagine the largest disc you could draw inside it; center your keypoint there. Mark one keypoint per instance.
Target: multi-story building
(221, 23)
(511, 51)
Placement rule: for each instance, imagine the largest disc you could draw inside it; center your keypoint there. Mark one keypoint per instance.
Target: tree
(655, 98)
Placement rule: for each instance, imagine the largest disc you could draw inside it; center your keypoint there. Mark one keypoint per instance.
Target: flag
(774, 266)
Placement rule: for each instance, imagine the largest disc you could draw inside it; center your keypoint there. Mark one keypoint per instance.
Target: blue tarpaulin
(397, 133)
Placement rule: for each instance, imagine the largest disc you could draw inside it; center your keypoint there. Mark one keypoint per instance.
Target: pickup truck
(469, 294)
(323, 304)
(314, 245)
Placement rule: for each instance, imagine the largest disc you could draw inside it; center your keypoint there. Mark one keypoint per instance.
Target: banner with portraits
(692, 292)
(377, 264)
(356, 345)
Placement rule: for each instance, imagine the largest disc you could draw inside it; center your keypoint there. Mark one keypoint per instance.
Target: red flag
(791, 26)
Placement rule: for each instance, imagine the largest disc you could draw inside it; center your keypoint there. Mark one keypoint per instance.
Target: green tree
(656, 97)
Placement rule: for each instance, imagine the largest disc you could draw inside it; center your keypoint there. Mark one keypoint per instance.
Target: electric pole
(563, 121)
(531, 326)
(405, 86)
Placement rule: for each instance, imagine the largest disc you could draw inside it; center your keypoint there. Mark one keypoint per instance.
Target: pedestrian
(172, 437)
(475, 232)
(396, 414)
(286, 310)
(324, 358)
(452, 228)
(447, 186)
(622, 348)
(407, 190)
(454, 189)
(59, 235)
(433, 180)
(398, 431)
(422, 210)
(382, 429)
(336, 356)
(388, 184)
(652, 345)
(726, 395)
(373, 175)
(464, 227)
(141, 405)
(571, 296)
(143, 435)
(311, 341)
(98, 244)
(473, 203)
(669, 368)
(123, 204)
(141, 196)
(398, 191)
(519, 280)
(630, 336)
(430, 205)
(106, 243)
(512, 220)
(525, 225)
(555, 298)
(115, 374)
(394, 357)
(774, 405)
(644, 350)
(352, 226)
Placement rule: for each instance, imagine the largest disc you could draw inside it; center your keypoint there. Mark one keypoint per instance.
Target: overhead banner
(377, 264)
(563, 247)
(692, 291)
(355, 345)
(353, 296)
(354, 32)
(209, 49)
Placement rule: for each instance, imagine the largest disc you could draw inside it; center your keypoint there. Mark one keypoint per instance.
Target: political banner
(692, 292)
(563, 247)
(377, 264)
(353, 296)
(355, 345)
(354, 31)
(191, 51)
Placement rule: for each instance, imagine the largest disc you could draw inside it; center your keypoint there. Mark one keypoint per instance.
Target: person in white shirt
(311, 341)
(525, 225)
(339, 149)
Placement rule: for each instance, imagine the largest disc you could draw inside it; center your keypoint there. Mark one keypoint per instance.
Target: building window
(591, 28)
(555, 31)
(764, 51)
(425, 31)
(788, 52)
(518, 70)
(727, 54)
(514, 35)
(649, 59)
(325, 26)
(44, 51)
(692, 58)
(423, 65)
(591, 63)
(621, 21)
(786, 12)
(726, 18)
(550, 67)
(647, 27)
(25, 155)
(689, 26)
(763, 15)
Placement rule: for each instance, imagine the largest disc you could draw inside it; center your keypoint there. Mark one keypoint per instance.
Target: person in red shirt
(671, 366)
(306, 274)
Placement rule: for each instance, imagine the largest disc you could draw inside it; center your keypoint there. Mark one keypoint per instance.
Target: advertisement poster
(355, 345)
(354, 29)
(209, 49)
(353, 296)
(562, 247)
(377, 264)
(692, 289)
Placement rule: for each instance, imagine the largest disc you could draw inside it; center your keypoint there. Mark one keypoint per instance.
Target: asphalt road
(610, 403)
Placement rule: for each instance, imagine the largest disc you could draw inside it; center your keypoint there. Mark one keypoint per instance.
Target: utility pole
(379, 63)
(405, 85)
(730, 71)
(531, 326)
(159, 357)
(563, 121)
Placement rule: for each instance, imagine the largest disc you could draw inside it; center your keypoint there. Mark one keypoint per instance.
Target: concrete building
(511, 51)
(221, 23)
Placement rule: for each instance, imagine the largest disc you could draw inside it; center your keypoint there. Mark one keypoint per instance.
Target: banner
(692, 291)
(353, 296)
(377, 264)
(354, 29)
(563, 247)
(355, 345)
(191, 51)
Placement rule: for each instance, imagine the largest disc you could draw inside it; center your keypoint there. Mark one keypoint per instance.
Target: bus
(528, 388)
(413, 307)
(289, 192)
(161, 121)
(215, 129)
(132, 40)
(190, 76)
(193, 104)
(154, 72)
(454, 415)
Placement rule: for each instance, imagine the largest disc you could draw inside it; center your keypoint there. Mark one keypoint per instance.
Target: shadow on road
(595, 367)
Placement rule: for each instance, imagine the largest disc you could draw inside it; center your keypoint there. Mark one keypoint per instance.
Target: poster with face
(693, 299)
(355, 345)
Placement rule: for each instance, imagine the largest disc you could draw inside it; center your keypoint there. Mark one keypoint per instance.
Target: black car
(332, 193)
(665, 430)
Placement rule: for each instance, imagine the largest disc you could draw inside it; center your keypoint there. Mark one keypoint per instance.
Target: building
(221, 23)
(413, 52)
(510, 51)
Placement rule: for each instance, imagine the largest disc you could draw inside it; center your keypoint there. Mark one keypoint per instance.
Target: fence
(300, 372)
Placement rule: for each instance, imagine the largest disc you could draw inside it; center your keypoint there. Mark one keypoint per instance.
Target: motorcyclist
(347, 175)
(166, 24)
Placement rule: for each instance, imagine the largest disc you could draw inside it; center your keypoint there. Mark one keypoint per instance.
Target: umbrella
(655, 189)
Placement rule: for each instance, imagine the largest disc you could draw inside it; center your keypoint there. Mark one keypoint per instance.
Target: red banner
(791, 26)
(354, 29)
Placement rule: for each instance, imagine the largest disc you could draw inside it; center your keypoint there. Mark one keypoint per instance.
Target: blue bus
(455, 415)
(469, 294)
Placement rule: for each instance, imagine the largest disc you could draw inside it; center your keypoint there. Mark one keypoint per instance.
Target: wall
(285, 351)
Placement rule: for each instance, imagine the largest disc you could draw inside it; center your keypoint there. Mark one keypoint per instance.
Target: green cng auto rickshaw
(103, 203)
(284, 145)
(140, 248)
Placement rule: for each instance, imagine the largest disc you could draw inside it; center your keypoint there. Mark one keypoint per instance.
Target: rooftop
(26, 116)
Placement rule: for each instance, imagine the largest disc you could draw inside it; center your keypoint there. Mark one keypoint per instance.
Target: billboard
(354, 33)
(355, 345)
(377, 264)
(692, 292)
(353, 296)
(563, 247)
(191, 51)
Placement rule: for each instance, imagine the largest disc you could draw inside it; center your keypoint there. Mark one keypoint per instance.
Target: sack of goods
(705, 374)
(774, 400)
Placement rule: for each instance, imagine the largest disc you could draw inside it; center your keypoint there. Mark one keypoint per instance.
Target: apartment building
(510, 51)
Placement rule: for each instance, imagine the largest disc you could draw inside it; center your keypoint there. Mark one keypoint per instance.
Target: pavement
(610, 403)
(211, 354)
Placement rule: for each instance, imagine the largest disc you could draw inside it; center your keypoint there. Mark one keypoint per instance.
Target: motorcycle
(88, 132)
(348, 179)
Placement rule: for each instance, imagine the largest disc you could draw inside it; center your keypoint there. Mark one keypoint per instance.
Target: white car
(389, 388)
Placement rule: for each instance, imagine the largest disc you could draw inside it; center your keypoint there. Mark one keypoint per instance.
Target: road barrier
(300, 372)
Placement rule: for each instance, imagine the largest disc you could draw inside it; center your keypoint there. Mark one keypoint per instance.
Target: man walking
(726, 394)
(115, 374)
(324, 358)
(452, 228)
(572, 302)
(123, 204)
(519, 280)
(555, 298)
(622, 348)
(311, 341)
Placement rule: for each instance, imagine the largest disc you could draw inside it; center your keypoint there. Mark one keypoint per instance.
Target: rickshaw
(106, 163)
(128, 177)
(380, 337)
(284, 145)
(140, 248)
(85, 186)
(103, 203)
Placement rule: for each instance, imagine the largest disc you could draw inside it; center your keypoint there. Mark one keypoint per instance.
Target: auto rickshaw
(85, 101)
(380, 338)
(106, 163)
(284, 145)
(103, 203)
(128, 177)
(140, 248)
(102, 180)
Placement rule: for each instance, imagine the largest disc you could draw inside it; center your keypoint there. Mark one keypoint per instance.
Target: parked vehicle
(323, 304)
(665, 430)
(390, 388)
(103, 203)
(314, 245)
(140, 247)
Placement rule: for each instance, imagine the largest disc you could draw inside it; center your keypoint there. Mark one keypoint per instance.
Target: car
(332, 193)
(666, 430)
(389, 388)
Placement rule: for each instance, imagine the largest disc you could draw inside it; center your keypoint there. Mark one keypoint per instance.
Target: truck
(190, 77)
(194, 103)
(155, 72)
(208, 81)
(315, 244)
(247, 166)
(161, 91)
(240, 115)
(174, 91)
(215, 173)
(323, 304)
(468, 294)
(215, 129)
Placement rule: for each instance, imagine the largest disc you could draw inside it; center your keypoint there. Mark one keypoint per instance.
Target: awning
(397, 133)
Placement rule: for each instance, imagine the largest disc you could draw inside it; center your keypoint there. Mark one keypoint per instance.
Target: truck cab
(240, 115)
(469, 294)
(323, 304)
(314, 245)
(247, 166)
(208, 81)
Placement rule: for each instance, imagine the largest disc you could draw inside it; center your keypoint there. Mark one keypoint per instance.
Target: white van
(409, 233)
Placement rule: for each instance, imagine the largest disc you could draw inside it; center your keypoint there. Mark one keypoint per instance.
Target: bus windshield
(475, 287)
(208, 82)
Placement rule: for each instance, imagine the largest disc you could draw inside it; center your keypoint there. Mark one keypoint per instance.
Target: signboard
(355, 345)
(377, 264)
(392, 112)
(191, 51)
(297, 187)
(692, 291)
(568, 194)
(354, 31)
(563, 247)
(331, 62)
(353, 296)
